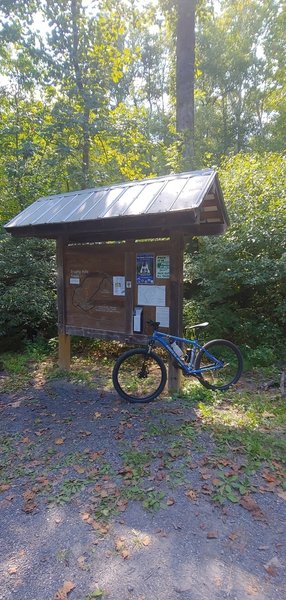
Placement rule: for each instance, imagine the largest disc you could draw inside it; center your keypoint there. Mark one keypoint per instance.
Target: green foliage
(238, 281)
(27, 289)
(90, 101)
(240, 87)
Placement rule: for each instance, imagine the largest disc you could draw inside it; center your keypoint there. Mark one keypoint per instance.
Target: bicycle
(139, 375)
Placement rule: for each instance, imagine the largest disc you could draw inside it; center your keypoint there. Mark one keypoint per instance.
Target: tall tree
(86, 58)
(185, 74)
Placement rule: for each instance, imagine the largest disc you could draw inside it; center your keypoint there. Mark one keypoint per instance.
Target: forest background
(88, 97)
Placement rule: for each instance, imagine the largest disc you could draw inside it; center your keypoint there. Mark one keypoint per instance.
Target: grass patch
(251, 424)
(236, 435)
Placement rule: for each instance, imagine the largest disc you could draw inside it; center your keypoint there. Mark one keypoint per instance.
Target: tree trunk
(185, 67)
(75, 12)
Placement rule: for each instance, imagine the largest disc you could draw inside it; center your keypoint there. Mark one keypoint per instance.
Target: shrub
(27, 289)
(237, 281)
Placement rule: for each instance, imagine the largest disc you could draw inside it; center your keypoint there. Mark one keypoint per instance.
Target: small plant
(133, 492)
(262, 356)
(137, 462)
(105, 507)
(176, 477)
(67, 490)
(153, 500)
(230, 488)
(63, 555)
(98, 593)
(194, 392)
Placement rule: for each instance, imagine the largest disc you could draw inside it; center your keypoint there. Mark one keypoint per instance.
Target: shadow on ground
(131, 503)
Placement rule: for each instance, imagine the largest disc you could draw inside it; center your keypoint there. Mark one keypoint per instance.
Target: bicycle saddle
(198, 325)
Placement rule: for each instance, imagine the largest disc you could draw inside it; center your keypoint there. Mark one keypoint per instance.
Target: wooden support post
(176, 304)
(129, 291)
(64, 351)
(64, 340)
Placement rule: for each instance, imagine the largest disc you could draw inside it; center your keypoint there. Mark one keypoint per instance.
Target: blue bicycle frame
(165, 340)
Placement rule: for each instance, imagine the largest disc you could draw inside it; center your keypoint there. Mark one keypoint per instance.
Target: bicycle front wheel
(139, 375)
(229, 373)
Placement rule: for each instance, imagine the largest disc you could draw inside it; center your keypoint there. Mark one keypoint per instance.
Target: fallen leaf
(29, 501)
(216, 481)
(191, 494)
(272, 566)
(104, 493)
(212, 535)
(122, 504)
(125, 553)
(80, 470)
(97, 415)
(233, 536)
(9, 498)
(251, 589)
(170, 501)
(269, 477)
(119, 544)
(206, 489)
(59, 441)
(42, 479)
(104, 529)
(160, 476)
(12, 570)
(249, 504)
(41, 432)
(62, 593)
(4, 487)
(146, 540)
(127, 471)
(218, 581)
(95, 455)
(271, 570)
(85, 516)
(81, 561)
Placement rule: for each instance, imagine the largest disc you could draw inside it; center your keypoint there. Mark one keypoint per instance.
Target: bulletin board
(95, 288)
(112, 290)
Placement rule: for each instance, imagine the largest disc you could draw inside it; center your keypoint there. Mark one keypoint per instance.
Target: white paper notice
(152, 295)
(163, 315)
(118, 285)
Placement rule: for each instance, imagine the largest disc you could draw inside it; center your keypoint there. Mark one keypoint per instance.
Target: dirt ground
(103, 499)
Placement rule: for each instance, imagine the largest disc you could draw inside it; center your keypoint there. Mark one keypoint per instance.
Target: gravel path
(103, 499)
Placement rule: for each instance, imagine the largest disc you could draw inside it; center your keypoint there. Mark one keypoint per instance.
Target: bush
(237, 281)
(27, 289)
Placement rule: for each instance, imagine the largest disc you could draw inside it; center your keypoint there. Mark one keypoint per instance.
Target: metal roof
(169, 194)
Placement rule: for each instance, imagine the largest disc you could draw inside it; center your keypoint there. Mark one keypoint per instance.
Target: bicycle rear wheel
(139, 375)
(225, 376)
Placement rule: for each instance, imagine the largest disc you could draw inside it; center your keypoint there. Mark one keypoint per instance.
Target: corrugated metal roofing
(180, 192)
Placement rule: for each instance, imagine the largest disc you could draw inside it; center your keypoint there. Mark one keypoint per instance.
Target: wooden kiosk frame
(120, 254)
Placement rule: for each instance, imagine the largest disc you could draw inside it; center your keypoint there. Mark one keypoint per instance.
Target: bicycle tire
(130, 383)
(220, 379)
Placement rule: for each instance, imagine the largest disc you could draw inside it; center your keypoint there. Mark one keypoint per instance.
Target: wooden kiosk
(120, 253)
